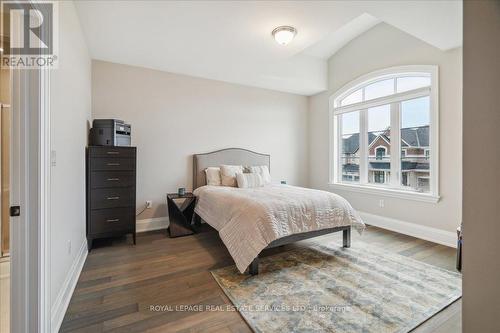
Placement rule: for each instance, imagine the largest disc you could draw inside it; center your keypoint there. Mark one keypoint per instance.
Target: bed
(250, 220)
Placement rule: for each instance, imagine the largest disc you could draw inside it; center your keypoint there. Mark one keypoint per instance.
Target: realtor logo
(30, 28)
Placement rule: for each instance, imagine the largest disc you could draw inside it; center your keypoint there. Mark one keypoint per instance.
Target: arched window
(380, 152)
(394, 109)
(383, 85)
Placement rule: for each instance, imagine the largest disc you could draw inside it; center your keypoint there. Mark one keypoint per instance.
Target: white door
(29, 179)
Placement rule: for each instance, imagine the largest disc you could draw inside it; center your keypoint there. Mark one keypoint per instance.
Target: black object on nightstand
(111, 180)
(180, 216)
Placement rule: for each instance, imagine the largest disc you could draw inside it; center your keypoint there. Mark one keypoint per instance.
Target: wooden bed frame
(239, 156)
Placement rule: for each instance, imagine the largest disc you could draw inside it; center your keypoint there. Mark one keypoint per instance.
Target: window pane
(352, 98)
(415, 150)
(379, 144)
(412, 82)
(349, 150)
(379, 89)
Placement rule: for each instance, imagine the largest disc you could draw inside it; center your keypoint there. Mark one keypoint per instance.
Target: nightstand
(180, 214)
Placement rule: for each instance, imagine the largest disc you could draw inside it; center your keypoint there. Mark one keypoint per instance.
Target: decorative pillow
(262, 170)
(228, 174)
(247, 180)
(213, 176)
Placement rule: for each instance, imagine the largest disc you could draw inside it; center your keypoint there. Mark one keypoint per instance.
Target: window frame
(376, 152)
(335, 132)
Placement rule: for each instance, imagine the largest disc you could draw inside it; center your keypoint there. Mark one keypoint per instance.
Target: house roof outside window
(414, 137)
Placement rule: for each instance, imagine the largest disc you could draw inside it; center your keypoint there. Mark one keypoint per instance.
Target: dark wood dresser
(111, 185)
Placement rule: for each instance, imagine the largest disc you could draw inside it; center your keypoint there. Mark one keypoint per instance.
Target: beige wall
(381, 47)
(481, 199)
(174, 116)
(70, 96)
(4, 72)
(4, 76)
(4, 86)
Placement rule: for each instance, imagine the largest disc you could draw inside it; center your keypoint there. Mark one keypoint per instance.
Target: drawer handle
(113, 179)
(113, 198)
(113, 164)
(112, 220)
(113, 152)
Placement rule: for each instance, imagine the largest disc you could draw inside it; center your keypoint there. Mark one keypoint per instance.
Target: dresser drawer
(111, 197)
(111, 220)
(102, 179)
(111, 151)
(112, 163)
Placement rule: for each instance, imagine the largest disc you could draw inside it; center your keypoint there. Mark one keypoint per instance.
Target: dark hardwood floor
(120, 284)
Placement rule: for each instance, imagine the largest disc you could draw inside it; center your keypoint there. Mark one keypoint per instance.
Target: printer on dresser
(111, 190)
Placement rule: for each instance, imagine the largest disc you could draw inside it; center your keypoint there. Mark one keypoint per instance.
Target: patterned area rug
(332, 289)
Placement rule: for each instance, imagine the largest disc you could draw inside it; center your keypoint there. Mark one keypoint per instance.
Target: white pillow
(228, 174)
(262, 170)
(213, 176)
(247, 180)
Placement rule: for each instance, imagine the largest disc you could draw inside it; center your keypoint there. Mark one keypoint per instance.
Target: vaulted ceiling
(231, 40)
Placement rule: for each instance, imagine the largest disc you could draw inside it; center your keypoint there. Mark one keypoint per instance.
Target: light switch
(52, 158)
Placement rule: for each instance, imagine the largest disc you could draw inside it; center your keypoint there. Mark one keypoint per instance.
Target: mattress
(249, 219)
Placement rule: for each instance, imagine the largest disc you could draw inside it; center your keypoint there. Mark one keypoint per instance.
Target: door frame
(30, 181)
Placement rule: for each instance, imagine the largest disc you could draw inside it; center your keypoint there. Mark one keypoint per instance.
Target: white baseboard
(155, 223)
(434, 235)
(61, 303)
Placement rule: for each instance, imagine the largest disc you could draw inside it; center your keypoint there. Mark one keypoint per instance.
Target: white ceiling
(231, 40)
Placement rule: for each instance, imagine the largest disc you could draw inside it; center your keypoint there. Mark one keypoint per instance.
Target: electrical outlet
(381, 203)
(149, 203)
(69, 247)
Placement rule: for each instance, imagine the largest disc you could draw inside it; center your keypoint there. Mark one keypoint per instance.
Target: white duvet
(248, 219)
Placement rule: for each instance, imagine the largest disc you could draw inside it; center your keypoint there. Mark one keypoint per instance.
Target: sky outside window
(350, 123)
(416, 113)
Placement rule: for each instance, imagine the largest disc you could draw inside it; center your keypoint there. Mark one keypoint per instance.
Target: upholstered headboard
(231, 156)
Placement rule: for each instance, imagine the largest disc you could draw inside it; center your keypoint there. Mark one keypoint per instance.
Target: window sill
(387, 192)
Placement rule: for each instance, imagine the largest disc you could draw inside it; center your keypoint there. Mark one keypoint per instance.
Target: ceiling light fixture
(284, 34)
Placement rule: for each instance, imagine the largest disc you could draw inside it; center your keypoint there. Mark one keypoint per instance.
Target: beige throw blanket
(248, 219)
